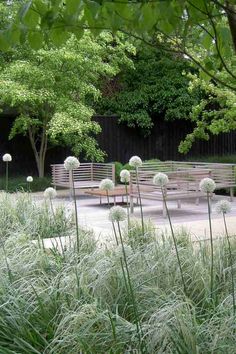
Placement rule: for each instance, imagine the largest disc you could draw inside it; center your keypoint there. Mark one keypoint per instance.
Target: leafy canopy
(154, 88)
(53, 90)
(169, 24)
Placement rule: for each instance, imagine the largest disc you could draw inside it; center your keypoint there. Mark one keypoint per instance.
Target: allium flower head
(7, 158)
(106, 185)
(71, 163)
(223, 206)
(117, 214)
(135, 161)
(160, 179)
(125, 176)
(50, 193)
(29, 179)
(207, 185)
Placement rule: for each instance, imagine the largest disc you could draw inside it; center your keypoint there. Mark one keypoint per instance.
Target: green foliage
(19, 214)
(155, 87)
(118, 167)
(215, 113)
(19, 184)
(171, 25)
(54, 89)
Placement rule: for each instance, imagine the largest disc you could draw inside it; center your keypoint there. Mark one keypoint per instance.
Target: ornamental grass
(65, 304)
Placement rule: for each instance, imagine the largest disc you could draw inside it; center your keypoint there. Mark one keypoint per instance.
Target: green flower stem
(121, 261)
(174, 240)
(127, 202)
(108, 201)
(231, 264)
(140, 201)
(28, 187)
(7, 176)
(76, 213)
(138, 326)
(211, 243)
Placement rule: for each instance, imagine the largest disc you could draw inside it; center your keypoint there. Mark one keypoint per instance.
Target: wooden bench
(88, 175)
(182, 185)
(224, 174)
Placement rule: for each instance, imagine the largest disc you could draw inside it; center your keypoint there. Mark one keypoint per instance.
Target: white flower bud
(135, 161)
(7, 158)
(125, 176)
(207, 185)
(117, 213)
(50, 193)
(106, 185)
(71, 163)
(160, 179)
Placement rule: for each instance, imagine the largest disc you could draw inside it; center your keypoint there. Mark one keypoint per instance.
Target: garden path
(193, 218)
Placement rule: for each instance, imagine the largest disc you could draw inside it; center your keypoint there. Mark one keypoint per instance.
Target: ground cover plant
(79, 303)
(20, 214)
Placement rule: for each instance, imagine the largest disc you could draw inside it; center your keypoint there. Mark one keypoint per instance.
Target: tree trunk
(41, 153)
(231, 14)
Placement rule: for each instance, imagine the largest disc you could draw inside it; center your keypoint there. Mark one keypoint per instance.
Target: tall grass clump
(20, 213)
(52, 304)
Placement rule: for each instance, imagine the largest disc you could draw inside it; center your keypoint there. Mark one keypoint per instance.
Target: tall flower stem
(137, 321)
(140, 200)
(174, 240)
(127, 203)
(121, 261)
(54, 217)
(28, 187)
(211, 243)
(231, 264)
(7, 173)
(108, 200)
(76, 214)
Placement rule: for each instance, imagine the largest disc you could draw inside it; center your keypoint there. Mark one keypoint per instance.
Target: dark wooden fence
(120, 143)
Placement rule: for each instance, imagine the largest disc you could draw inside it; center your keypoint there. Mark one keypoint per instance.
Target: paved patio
(193, 218)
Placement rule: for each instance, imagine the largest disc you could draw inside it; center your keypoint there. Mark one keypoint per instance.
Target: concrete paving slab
(192, 217)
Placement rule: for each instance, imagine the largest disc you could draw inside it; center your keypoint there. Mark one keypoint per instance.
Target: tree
(203, 31)
(167, 24)
(53, 90)
(155, 87)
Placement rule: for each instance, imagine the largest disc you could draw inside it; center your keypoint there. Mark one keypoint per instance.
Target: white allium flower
(125, 176)
(106, 185)
(71, 163)
(207, 185)
(50, 193)
(7, 158)
(223, 206)
(135, 161)
(160, 179)
(29, 179)
(117, 213)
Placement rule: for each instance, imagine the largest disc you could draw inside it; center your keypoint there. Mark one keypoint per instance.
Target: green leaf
(35, 39)
(4, 43)
(58, 36)
(72, 6)
(31, 18)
